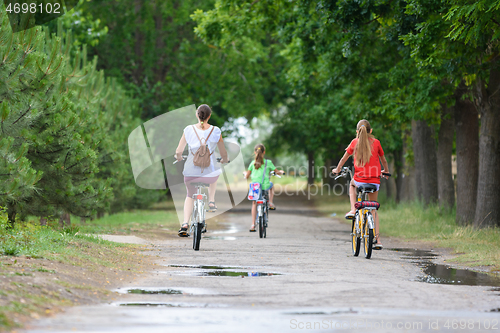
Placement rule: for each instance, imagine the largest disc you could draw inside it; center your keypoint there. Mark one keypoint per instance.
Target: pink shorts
(191, 190)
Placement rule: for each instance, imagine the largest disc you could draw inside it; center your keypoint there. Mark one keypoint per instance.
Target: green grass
(43, 270)
(128, 222)
(71, 246)
(475, 247)
(287, 180)
(411, 221)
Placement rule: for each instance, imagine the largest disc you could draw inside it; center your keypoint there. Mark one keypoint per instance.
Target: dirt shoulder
(35, 287)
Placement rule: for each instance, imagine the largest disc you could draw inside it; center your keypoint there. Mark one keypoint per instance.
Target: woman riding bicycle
(368, 154)
(194, 136)
(255, 171)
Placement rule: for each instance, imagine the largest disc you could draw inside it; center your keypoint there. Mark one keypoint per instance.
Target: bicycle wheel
(264, 224)
(356, 241)
(261, 226)
(368, 235)
(196, 230)
(197, 236)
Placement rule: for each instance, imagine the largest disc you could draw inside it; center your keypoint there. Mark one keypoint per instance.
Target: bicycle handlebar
(184, 157)
(272, 173)
(345, 171)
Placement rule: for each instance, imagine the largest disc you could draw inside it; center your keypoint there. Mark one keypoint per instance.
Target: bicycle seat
(200, 184)
(367, 188)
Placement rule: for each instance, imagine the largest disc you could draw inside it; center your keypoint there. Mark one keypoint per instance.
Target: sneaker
(350, 215)
(377, 245)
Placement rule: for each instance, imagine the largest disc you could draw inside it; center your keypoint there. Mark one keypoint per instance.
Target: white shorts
(358, 184)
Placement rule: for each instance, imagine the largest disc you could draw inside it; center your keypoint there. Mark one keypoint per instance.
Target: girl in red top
(368, 155)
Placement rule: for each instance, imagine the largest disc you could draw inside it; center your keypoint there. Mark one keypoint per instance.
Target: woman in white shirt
(193, 135)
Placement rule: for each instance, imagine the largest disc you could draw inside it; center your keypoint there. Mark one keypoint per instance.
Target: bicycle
(262, 218)
(197, 223)
(363, 222)
(263, 210)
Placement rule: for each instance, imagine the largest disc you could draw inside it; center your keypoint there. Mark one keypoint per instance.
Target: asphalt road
(316, 284)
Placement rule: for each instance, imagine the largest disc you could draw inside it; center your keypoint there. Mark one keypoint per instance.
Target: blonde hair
(259, 151)
(363, 149)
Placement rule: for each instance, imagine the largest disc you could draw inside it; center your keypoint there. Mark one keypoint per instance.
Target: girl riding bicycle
(255, 171)
(194, 136)
(368, 154)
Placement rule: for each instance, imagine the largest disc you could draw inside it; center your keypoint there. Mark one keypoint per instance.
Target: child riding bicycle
(256, 173)
(368, 154)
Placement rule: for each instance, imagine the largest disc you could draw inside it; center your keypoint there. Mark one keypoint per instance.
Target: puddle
(443, 274)
(231, 230)
(164, 291)
(207, 267)
(171, 305)
(221, 238)
(154, 292)
(221, 271)
(230, 273)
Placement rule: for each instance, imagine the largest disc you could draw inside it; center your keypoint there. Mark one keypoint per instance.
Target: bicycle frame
(198, 214)
(263, 204)
(363, 225)
(363, 196)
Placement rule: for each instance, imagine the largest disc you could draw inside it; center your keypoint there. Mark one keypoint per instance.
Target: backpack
(201, 158)
(255, 192)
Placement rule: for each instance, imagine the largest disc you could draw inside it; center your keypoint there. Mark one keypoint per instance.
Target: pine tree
(20, 86)
(63, 127)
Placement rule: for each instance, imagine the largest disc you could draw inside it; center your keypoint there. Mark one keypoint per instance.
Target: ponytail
(203, 112)
(363, 149)
(259, 151)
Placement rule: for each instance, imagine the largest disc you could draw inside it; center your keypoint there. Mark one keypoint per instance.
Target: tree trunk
(467, 148)
(446, 187)
(386, 183)
(310, 169)
(391, 182)
(11, 214)
(408, 190)
(398, 170)
(488, 187)
(325, 174)
(64, 220)
(332, 157)
(424, 150)
(137, 70)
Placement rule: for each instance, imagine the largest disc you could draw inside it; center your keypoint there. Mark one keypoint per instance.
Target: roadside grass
(287, 180)
(288, 184)
(68, 263)
(411, 221)
(136, 221)
(26, 247)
